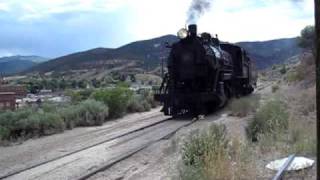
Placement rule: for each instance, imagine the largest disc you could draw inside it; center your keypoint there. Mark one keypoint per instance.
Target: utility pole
(317, 27)
(162, 64)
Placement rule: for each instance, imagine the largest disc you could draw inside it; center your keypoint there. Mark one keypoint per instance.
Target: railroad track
(108, 165)
(49, 167)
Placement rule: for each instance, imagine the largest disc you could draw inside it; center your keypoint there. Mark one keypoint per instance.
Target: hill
(148, 54)
(15, 64)
(267, 53)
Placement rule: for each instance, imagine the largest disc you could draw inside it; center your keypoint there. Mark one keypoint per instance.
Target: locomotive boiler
(203, 73)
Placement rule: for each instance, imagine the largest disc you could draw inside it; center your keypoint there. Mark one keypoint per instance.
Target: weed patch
(271, 118)
(210, 155)
(245, 105)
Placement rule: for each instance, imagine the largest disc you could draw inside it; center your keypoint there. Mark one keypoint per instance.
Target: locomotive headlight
(182, 33)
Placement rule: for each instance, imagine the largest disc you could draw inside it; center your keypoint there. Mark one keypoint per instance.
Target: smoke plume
(197, 9)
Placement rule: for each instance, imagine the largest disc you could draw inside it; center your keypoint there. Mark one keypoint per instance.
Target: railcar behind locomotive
(203, 73)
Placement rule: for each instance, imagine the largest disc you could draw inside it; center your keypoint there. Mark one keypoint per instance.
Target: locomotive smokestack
(193, 30)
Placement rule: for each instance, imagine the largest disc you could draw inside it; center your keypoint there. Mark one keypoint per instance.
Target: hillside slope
(267, 53)
(150, 52)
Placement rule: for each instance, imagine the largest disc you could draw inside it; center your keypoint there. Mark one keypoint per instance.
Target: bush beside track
(88, 108)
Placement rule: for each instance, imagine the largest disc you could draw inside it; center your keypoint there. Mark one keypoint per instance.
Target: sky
(53, 28)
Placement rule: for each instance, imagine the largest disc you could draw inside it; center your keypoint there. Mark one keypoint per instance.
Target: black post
(317, 27)
(162, 59)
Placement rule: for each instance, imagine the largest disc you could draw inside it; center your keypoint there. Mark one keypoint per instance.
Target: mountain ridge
(267, 53)
(18, 63)
(151, 52)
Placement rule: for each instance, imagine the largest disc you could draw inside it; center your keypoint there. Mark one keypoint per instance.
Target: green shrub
(136, 105)
(200, 145)
(87, 113)
(8, 119)
(271, 118)
(146, 105)
(91, 113)
(143, 101)
(70, 115)
(49, 107)
(75, 96)
(28, 127)
(274, 88)
(13, 121)
(43, 123)
(116, 99)
(50, 119)
(293, 76)
(205, 154)
(243, 106)
(4, 133)
(210, 155)
(148, 96)
(27, 123)
(81, 95)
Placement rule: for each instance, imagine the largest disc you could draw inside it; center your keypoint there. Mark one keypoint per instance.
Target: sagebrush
(271, 118)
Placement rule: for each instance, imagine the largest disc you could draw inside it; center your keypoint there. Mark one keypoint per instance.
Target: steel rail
(125, 156)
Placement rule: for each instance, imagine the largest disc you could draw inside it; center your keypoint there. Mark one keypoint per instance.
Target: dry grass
(245, 105)
(302, 123)
(210, 155)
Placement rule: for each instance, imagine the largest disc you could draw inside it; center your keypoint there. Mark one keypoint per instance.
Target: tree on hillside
(307, 38)
(62, 84)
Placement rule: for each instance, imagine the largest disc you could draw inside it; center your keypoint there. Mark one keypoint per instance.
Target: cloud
(4, 7)
(257, 20)
(58, 27)
(36, 9)
(60, 34)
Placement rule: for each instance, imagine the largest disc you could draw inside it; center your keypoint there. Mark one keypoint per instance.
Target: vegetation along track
(87, 161)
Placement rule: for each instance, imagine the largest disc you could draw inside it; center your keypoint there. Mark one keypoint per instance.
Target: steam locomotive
(203, 73)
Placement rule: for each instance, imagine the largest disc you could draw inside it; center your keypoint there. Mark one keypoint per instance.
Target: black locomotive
(203, 73)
